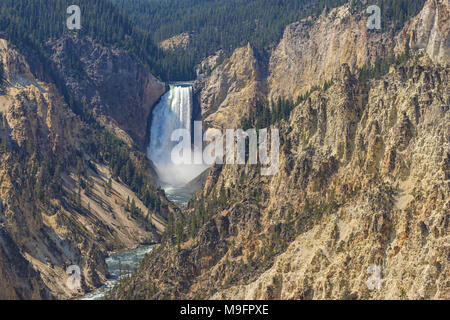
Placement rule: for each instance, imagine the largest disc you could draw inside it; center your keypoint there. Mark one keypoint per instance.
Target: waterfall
(174, 111)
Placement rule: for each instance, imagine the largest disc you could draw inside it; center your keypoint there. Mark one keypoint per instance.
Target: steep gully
(175, 110)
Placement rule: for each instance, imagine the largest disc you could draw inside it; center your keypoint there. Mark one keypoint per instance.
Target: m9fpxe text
(227, 310)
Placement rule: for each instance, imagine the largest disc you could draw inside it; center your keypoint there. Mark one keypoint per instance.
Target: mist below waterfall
(174, 111)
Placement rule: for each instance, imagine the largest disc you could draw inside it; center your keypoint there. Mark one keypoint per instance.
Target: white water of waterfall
(174, 111)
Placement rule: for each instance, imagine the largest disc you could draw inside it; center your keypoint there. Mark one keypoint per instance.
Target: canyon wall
(230, 89)
(363, 188)
(120, 91)
(58, 205)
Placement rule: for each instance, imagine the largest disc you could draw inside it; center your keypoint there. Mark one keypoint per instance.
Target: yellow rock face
(228, 92)
(38, 241)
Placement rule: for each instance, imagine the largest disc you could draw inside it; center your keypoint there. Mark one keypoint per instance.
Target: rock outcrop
(18, 279)
(230, 89)
(429, 31)
(120, 91)
(312, 51)
(179, 41)
(208, 64)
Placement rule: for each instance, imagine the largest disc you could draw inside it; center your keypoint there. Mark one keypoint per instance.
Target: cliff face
(204, 68)
(360, 206)
(311, 51)
(363, 183)
(58, 206)
(121, 92)
(430, 31)
(18, 279)
(310, 54)
(230, 89)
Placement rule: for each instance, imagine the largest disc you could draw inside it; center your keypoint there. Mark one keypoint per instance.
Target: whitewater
(173, 112)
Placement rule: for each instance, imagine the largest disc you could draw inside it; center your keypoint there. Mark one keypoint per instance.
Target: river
(173, 112)
(125, 262)
(178, 195)
(119, 264)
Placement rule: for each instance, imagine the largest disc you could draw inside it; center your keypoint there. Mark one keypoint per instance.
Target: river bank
(119, 265)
